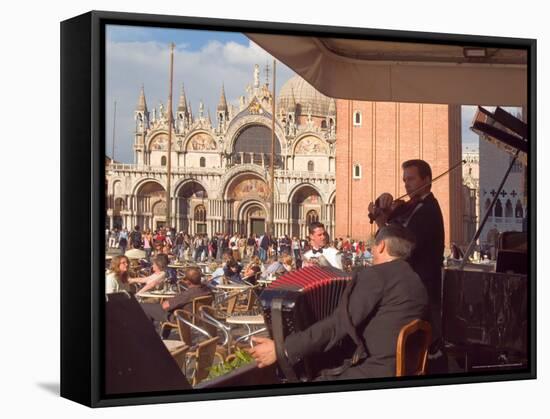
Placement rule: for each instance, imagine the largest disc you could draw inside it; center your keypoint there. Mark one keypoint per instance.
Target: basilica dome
(304, 94)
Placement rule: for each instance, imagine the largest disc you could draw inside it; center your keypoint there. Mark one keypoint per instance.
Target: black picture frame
(83, 203)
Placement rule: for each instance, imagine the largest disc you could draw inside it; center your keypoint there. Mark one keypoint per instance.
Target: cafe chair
(204, 359)
(188, 323)
(178, 350)
(195, 305)
(412, 348)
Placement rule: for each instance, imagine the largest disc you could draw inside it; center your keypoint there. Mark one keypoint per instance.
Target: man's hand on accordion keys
(263, 352)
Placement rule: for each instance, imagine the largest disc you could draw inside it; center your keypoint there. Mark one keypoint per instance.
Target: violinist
(422, 216)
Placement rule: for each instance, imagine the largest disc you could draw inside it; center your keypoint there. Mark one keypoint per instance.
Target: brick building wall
(388, 134)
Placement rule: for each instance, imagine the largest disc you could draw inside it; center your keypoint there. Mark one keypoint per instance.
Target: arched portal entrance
(253, 218)
(151, 205)
(246, 194)
(305, 208)
(191, 210)
(119, 206)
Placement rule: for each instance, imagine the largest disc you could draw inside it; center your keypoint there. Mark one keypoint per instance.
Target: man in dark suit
(425, 221)
(382, 299)
(184, 300)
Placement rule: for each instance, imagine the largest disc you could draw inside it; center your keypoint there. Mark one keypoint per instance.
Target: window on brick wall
(357, 171)
(357, 118)
(310, 166)
(163, 161)
(202, 162)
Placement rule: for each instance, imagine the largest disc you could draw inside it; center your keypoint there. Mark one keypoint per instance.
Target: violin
(400, 209)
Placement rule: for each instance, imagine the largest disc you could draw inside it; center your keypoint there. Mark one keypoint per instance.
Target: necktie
(317, 251)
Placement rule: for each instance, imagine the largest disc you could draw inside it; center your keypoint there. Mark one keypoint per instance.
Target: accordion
(295, 301)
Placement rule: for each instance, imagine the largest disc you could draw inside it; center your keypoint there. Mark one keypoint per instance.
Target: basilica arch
(238, 125)
(191, 207)
(118, 207)
(150, 204)
(240, 191)
(252, 216)
(199, 140)
(306, 206)
(252, 145)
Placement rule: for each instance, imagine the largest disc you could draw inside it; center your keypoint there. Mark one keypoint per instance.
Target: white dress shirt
(330, 254)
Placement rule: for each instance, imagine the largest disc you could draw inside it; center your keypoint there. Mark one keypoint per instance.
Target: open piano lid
(501, 128)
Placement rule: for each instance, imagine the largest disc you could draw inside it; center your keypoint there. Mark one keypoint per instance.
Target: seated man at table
(379, 301)
(163, 312)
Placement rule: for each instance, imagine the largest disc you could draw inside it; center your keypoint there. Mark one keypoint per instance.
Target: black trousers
(157, 315)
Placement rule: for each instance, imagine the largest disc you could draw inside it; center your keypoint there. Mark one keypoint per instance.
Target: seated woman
(160, 262)
(250, 273)
(286, 260)
(217, 273)
(117, 278)
(273, 268)
(254, 260)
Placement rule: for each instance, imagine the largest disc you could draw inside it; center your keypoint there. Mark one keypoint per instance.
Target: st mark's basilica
(220, 169)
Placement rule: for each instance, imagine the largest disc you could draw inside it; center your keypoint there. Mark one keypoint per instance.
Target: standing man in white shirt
(320, 253)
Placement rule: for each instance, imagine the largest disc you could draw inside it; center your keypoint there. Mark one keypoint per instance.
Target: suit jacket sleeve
(323, 335)
(180, 300)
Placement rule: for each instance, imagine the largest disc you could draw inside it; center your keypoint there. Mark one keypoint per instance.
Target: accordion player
(326, 325)
(297, 300)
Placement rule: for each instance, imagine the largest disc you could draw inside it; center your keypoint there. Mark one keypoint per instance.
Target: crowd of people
(202, 248)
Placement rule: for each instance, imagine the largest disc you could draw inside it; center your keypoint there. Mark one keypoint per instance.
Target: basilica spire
(183, 120)
(141, 115)
(222, 105)
(182, 105)
(222, 112)
(142, 104)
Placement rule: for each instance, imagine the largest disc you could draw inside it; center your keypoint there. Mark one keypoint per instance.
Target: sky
(203, 61)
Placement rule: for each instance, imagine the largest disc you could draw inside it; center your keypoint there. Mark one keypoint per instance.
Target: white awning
(403, 72)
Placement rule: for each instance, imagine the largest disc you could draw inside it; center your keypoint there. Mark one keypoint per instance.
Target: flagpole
(169, 157)
(114, 125)
(272, 166)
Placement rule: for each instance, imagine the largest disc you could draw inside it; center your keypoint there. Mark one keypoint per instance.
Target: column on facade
(173, 203)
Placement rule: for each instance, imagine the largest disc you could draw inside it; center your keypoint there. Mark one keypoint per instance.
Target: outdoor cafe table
(254, 320)
(265, 281)
(232, 287)
(250, 321)
(180, 268)
(158, 294)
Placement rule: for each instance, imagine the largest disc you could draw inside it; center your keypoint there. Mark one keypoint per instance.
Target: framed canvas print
(276, 208)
